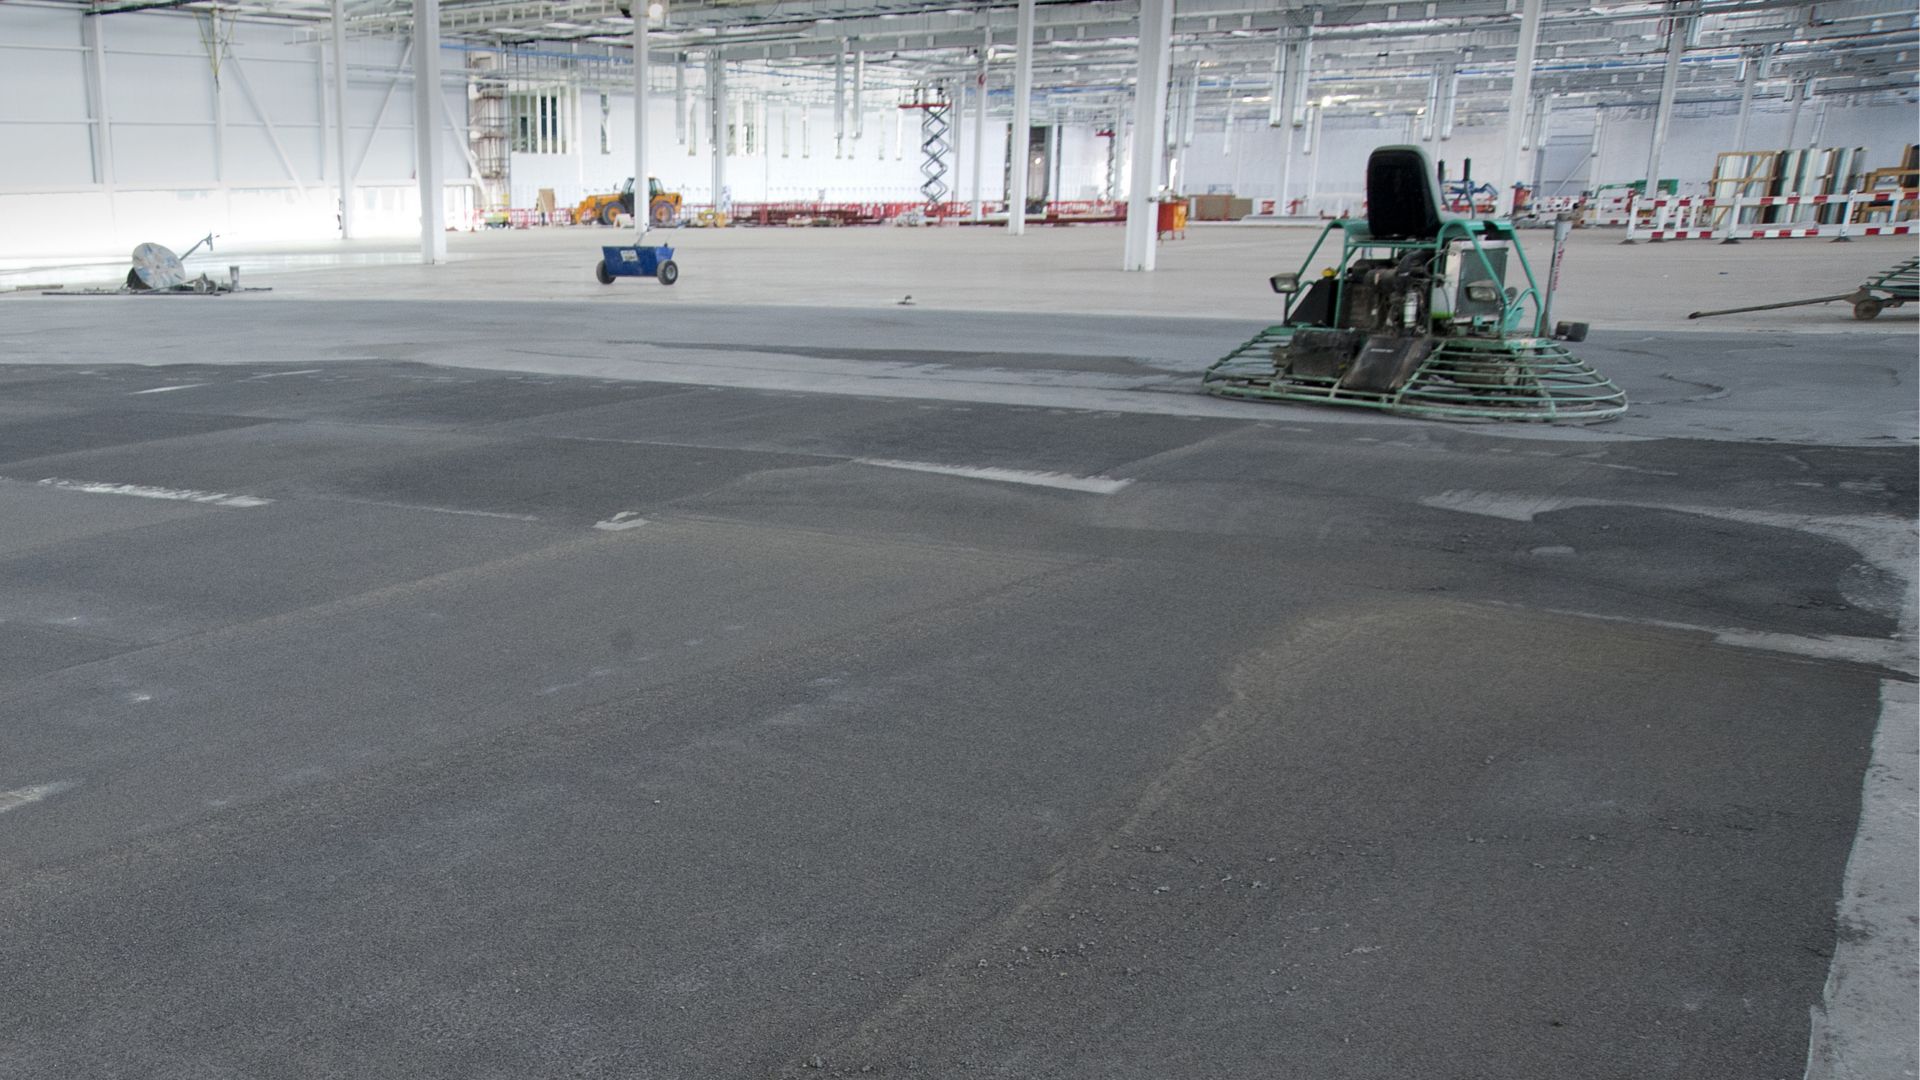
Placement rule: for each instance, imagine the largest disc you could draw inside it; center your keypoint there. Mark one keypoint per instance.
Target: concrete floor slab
(568, 695)
(1214, 272)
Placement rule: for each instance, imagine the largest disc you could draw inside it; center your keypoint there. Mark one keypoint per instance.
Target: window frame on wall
(539, 120)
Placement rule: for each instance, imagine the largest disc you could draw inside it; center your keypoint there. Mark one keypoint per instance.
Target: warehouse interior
(1027, 539)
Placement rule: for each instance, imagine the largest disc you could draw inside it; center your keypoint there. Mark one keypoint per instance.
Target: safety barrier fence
(1609, 209)
(1709, 218)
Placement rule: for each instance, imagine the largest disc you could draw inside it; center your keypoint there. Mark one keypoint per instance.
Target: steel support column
(101, 128)
(957, 109)
(840, 101)
(1018, 152)
(1276, 101)
(1750, 81)
(1663, 115)
(1149, 118)
(426, 130)
(980, 120)
(1797, 90)
(680, 99)
(642, 70)
(340, 122)
(340, 126)
(1430, 120)
(717, 126)
(1518, 98)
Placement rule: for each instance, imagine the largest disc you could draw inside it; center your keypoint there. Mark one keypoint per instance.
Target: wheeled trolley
(637, 260)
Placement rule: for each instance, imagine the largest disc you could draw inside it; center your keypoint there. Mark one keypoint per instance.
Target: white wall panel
(48, 155)
(286, 80)
(39, 26)
(143, 88)
(162, 154)
(253, 160)
(59, 79)
(50, 223)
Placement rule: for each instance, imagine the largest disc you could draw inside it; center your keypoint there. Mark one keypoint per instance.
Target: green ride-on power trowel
(1417, 318)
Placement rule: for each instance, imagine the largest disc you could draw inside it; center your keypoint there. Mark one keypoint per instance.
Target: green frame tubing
(1481, 371)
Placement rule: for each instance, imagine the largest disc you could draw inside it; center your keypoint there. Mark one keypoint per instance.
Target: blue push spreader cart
(637, 261)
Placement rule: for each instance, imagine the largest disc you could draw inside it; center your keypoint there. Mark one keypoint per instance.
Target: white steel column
(1430, 122)
(426, 130)
(91, 28)
(1750, 80)
(680, 98)
(1276, 103)
(340, 121)
(1281, 116)
(1517, 100)
(980, 120)
(1018, 153)
(860, 103)
(840, 101)
(1286, 168)
(717, 125)
(642, 191)
(1149, 117)
(219, 115)
(1302, 77)
(1797, 90)
(956, 113)
(1663, 115)
(1311, 139)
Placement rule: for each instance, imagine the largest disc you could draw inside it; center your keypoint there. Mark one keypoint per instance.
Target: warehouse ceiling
(1380, 57)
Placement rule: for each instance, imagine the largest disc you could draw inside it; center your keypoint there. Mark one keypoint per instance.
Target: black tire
(662, 213)
(610, 214)
(600, 273)
(1867, 309)
(1571, 331)
(669, 272)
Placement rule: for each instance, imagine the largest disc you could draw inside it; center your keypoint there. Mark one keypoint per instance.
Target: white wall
(188, 159)
(1253, 167)
(779, 169)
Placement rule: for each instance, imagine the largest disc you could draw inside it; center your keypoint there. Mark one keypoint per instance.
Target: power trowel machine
(1417, 318)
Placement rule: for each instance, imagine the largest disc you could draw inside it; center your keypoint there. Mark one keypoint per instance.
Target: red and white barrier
(1609, 210)
(1689, 218)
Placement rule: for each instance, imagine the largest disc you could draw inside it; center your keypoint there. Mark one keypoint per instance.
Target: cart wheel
(669, 272)
(1571, 331)
(134, 282)
(1866, 309)
(600, 272)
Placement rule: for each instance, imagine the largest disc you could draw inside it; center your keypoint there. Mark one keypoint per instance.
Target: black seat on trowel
(1403, 198)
